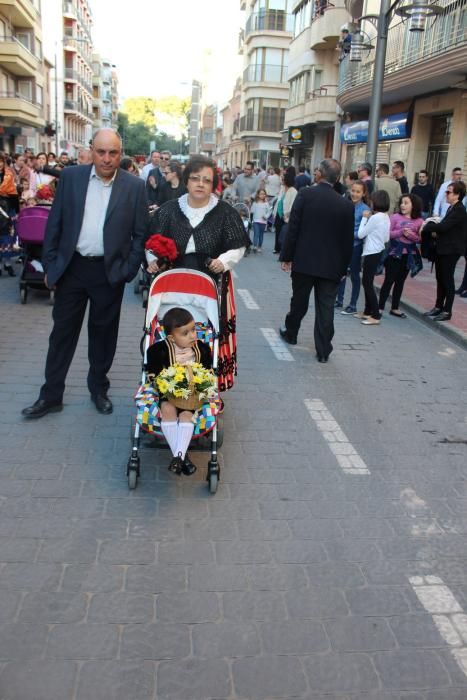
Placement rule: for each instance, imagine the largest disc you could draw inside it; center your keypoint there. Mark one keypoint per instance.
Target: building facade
(312, 123)
(264, 43)
(104, 93)
(23, 74)
(231, 148)
(424, 112)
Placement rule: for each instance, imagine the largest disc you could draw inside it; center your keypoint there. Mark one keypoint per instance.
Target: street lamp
(417, 12)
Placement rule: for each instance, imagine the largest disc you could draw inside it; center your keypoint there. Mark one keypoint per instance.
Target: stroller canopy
(189, 289)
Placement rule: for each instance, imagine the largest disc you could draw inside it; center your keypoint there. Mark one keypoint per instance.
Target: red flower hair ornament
(164, 249)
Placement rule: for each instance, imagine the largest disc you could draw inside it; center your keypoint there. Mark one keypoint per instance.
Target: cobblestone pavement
(330, 564)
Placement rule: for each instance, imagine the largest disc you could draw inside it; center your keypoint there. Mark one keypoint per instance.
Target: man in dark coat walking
(317, 249)
(94, 243)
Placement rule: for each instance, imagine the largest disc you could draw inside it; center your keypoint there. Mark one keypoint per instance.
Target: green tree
(136, 137)
(140, 110)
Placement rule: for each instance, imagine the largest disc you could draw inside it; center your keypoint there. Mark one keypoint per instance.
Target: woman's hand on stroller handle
(153, 267)
(215, 265)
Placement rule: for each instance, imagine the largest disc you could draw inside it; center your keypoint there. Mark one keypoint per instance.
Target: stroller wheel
(132, 479)
(213, 476)
(23, 294)
(145, 298)
(213, 482)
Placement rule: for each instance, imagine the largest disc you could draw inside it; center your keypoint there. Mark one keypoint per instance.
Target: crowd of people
(325, 230)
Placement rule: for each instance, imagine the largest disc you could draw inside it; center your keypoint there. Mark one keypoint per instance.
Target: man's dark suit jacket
(125, 226)
(319, 239)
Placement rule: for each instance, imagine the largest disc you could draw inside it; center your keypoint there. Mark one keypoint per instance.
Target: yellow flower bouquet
(187, 386)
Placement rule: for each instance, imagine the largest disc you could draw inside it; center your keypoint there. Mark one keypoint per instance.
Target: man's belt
(90, 258)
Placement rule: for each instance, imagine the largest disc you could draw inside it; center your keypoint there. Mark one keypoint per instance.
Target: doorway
(437, 156)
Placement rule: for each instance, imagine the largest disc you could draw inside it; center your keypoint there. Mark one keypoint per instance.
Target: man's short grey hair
(168, 153)
(106, 128)
(330, 170)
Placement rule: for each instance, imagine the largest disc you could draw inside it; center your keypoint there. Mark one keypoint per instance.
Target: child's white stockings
(178, 435)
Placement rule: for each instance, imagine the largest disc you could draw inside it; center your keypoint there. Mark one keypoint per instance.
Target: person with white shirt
(374, 230)
(154, 160)
(210, 237)
(441, 206)
(94, 244)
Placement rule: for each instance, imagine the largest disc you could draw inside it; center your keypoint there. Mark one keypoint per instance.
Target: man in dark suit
(94, 243)
(317, 248)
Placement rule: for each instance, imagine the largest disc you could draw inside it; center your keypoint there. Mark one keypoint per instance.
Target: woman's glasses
(200, 180)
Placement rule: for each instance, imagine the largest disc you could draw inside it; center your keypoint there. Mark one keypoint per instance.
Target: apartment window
(299, 89)
(25, 89)
(38, 47)
(317, 78)
(302, 17)
(2, 29)
(24, 38)
(39, 95)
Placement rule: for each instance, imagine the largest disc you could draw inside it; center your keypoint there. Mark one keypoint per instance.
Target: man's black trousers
(325, 296)
(84, 280)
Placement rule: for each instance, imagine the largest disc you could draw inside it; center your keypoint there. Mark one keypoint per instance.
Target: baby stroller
(142, 284)
(198, 293)
(30, 225)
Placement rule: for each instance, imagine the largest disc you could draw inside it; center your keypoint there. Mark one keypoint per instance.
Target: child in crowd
(181, 346)
(374, 230)
(244, 211)
(260, 211)
(358, 195)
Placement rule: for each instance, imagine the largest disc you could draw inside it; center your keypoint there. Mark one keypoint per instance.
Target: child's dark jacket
(159, 356)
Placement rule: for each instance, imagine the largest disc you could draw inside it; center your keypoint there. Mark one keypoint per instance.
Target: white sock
(170, 430)
(185, 432)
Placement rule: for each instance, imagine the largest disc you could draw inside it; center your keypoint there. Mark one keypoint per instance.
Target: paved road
(330, 564)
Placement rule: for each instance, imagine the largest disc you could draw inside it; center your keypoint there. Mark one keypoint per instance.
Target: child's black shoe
(188, 468)
(175, 465)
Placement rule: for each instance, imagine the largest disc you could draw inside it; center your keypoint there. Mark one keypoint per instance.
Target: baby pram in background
(30, 225)
(197, 292)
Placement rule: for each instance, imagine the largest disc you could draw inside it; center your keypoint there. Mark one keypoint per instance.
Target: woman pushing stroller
(210, 237)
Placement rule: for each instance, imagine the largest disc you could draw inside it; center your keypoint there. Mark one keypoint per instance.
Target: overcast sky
(158, 45)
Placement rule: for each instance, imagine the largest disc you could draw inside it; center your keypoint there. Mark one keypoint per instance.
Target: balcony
(17, 59)
(326, 25)
(321, 105)
(20, 108)
(71, 75)
(69, 9)
(270, 21)
(77, 109)
(22, 13)
(265, 73)
(416, 63)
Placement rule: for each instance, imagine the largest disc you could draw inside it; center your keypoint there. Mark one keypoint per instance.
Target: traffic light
(49, 130)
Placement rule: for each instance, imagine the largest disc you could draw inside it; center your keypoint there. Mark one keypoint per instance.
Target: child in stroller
(244, 211)
(181, 345)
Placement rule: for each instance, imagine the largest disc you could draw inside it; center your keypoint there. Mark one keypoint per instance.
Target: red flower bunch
(45, 193)
(163, 248)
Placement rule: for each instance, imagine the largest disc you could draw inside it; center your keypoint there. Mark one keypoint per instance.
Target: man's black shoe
(285, 335)
(41, 408)
(321, 358)
(103, 403)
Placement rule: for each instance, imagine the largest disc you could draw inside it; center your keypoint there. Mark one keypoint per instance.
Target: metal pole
(378, 84)
(56, 104)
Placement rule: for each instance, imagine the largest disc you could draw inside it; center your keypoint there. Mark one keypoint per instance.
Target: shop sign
(391, 128)
(295, 135)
